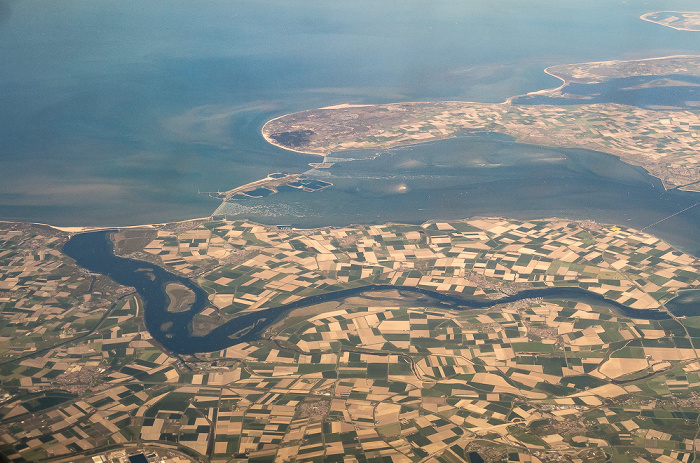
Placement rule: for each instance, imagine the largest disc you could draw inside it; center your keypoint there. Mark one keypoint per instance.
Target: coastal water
(483, 176)
(649, 92)
(119, 113)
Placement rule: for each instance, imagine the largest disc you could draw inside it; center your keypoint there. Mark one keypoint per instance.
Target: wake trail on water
(672, 215)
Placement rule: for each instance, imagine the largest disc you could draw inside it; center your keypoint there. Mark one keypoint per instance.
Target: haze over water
(117, 113)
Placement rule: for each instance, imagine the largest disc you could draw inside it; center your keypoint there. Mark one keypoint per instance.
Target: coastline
(274, 143)
(87, 229)
(550, 70)
(267, 138)
(585, 73)
(685, 29)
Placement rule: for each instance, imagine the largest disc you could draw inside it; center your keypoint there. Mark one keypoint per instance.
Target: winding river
(94, 252)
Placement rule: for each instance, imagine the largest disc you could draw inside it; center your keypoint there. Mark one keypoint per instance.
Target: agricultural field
(384, 374)
(261, 266)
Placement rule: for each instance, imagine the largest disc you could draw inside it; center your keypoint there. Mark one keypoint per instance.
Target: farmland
(382, 374)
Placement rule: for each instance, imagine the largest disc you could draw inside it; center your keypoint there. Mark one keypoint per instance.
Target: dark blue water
(94, 252)
(623, 91)
(687, 303)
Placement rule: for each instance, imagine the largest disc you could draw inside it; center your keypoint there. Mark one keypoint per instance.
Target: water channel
(94, 252)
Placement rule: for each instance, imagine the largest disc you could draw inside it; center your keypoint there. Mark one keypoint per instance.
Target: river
(94, 252)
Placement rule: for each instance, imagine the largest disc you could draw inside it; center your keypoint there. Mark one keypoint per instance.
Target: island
(662, 138)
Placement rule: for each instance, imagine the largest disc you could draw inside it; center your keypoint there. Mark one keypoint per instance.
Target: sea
(126, 113)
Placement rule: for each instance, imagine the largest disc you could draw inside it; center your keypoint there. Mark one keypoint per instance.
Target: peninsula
(663, 140)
